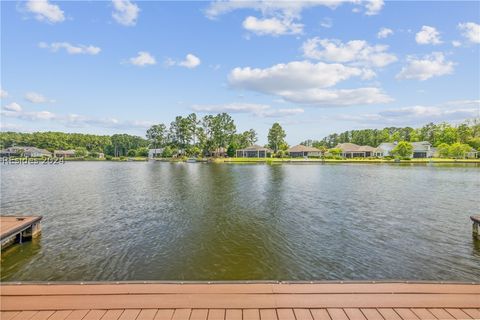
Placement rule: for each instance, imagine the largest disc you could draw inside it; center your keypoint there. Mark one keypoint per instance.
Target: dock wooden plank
(94, 315)
(164, 314)
(354, 313)
(474, 313)
(199, 314)
(458, 314)
(303, 314)
(77, 315)
(440, 313)
(216, 314)
(337, 314)
(25, 315)
(320, 314)
(130, 314)
(136, 288)
(251, 314)
(406, 314)
(233, 314)
(181, 314)
(372, 314)
(147, 314)
(268, 314)
(285, 314)
(112, 314)
(389, 314)
(7, 315)
(60, 315)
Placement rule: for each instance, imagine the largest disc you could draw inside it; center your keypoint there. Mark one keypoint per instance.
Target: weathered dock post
(476, 226)
(16, 229)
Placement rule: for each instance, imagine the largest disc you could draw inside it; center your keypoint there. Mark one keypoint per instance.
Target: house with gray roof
(422, 149)
(304, 151)
(29, 152)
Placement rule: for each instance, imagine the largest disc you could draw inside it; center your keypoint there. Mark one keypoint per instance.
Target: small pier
(476, 225)
(17, 229)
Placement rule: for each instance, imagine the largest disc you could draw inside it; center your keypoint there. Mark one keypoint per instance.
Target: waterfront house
(422, 149)
(64, 153)
(352, 150)
(254, 151)
(218, 153)
(154, 153)
(304, 151)
(29, 152)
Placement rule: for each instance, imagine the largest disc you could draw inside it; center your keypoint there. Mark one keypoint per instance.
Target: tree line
(214, 135)
(467, 133)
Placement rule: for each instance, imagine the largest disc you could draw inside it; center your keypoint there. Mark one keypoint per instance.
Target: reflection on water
(16, 256)
(178, 221)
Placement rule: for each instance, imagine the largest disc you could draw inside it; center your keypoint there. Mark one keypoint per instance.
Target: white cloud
(281, 17)
(259, 110)
(191, 61)
(13, 107)
(305, 82)
(143, 59)
(373, 7)
(69, 48)
(384, 33)
(3, 93)
(125, 12)
(356, 51)
(428, 35)
(433, 65)
(326, 23)
(285, 8)
(34, 97)
(73, 120)
(296, 74)
(418, 114)
(456, 43)
(45, 11)
(272, 26)
(471, 31)
(337, 97)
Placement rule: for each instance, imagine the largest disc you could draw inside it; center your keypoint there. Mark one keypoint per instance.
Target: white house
(422, 149)
(154, 153)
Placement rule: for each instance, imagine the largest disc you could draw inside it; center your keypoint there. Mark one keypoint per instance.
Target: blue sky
(316, 67)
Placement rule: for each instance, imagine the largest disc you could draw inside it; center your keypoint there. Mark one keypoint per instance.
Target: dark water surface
(166, 221)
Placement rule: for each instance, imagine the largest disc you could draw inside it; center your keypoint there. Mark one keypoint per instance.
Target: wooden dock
(476, 225)
(16, 229)
(229, 301)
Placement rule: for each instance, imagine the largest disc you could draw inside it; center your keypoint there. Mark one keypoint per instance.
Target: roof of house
(352, 147)
(71, 151)
(421, 146)
(302, 148)
(255, 147)
(25, 149)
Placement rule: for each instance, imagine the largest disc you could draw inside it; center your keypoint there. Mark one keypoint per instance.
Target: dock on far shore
(16, 229)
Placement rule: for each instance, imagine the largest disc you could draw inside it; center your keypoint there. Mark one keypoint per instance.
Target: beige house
(304, 151)
(64, 153)
(352, 150)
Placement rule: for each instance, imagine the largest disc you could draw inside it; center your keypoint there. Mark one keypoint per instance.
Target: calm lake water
(167, 221)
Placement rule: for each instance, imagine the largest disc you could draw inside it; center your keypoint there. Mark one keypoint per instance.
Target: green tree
(335, 151)
(459, 150)
(157, 135)
(141, 152)
(167, 152)
(131, 153)
(81, 152)
(276, 137)
(443, 150)
(403, 149)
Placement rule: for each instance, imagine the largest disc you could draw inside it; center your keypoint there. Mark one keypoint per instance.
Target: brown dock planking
(10, 225)
(242, 301)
